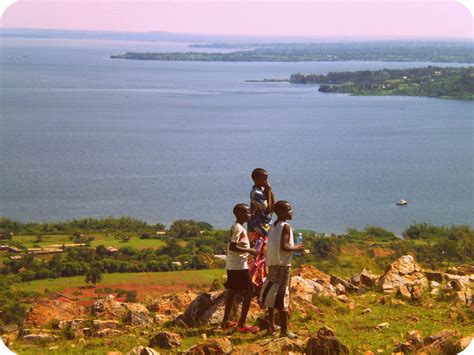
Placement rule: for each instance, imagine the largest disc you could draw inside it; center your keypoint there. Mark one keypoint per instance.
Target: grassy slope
(195, 277)
(356, 331)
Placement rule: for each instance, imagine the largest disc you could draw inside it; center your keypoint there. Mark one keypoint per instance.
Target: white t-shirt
(237, 260)
(274, 254)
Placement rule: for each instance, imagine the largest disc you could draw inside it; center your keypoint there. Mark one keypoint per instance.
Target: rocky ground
(404, 310)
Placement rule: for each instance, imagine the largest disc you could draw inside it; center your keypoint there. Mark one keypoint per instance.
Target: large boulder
(207, 308)
(325, 343)
(212, 346)
(172, 304)
(306, 289)
(165, 340)
(403, 271)
(133, 313)
(44, 312)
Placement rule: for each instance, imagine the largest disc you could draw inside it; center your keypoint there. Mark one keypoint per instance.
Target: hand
(254, 252)
(267, 186)
(299, 246)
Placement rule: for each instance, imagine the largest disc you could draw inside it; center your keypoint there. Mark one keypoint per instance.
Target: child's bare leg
(245, 308)
(229, 301)
(284, 325)
(271, 320)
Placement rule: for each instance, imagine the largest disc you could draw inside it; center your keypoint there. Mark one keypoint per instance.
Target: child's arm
(270, 198)
(235, 247)
(285, 240)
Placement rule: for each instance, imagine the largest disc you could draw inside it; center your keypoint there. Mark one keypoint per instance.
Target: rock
(437, 276)
(335, 280)
(434, 284)
(414, 342)
(39, 338)
(457, 285)
(325, 342)
(343, 298)
(382, 325)
(462, 270)
(165, 340)
(207, 308)
(107, 332)
(404, 292)
(142, 350)
(463, 343)
(365, 311)
(74, 324)
(278, 346)
(109, 308)
(403, 271)
(415, 338)
(172, 304)
(416, 293)
(311, 273)
(104, 324)
(441, 341)
(340, 289)
(364, 278)
(44, 312)
(213, 346)
(138, 318)
(306, 289)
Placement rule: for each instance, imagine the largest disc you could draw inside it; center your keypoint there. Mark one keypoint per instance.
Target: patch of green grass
(100, 239)
(358, 332)
(198, 277)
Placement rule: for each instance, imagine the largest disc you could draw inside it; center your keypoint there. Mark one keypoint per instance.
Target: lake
(84, 135)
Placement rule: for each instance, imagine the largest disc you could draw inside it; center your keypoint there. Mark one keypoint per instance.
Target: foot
(247, 329)
(227, 325)
(288, 335)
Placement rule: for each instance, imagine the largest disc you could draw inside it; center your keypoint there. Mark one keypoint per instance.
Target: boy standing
(280, 248)
(261, 207)
(238, 275)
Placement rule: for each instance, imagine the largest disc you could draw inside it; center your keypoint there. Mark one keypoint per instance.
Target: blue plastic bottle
(299, 240)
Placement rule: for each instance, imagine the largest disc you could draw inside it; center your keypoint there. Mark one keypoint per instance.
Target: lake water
(85, 135)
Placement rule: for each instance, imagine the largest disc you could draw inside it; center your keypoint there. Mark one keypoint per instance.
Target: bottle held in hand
(299, 240)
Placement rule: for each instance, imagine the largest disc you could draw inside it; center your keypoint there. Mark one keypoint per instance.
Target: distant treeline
(429, 81)
(460, 52)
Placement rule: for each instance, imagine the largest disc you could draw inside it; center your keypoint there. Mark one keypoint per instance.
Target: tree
(93, 276)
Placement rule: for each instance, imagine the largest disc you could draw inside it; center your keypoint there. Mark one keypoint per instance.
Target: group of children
(259, 259)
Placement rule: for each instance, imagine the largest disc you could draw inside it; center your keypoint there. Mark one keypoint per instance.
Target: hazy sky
(335, 18)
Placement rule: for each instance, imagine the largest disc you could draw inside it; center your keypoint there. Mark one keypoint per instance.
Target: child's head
(242, 212)
(259, 177)
(283, 210)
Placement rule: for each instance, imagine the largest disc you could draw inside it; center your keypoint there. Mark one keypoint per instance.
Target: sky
(335, 18)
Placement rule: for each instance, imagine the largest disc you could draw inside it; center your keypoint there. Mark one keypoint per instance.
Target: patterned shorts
(275, 291)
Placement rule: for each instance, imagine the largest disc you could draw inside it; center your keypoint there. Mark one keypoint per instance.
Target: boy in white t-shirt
(280, 249)
(238, 275)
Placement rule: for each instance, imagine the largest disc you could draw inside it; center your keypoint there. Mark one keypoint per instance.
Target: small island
(449, 83)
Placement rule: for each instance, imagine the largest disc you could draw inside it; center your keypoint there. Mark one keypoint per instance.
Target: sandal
(248, 329)
(229, 325)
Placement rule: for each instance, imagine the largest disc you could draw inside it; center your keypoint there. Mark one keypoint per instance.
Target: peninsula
(451, 83)
(393, 51)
